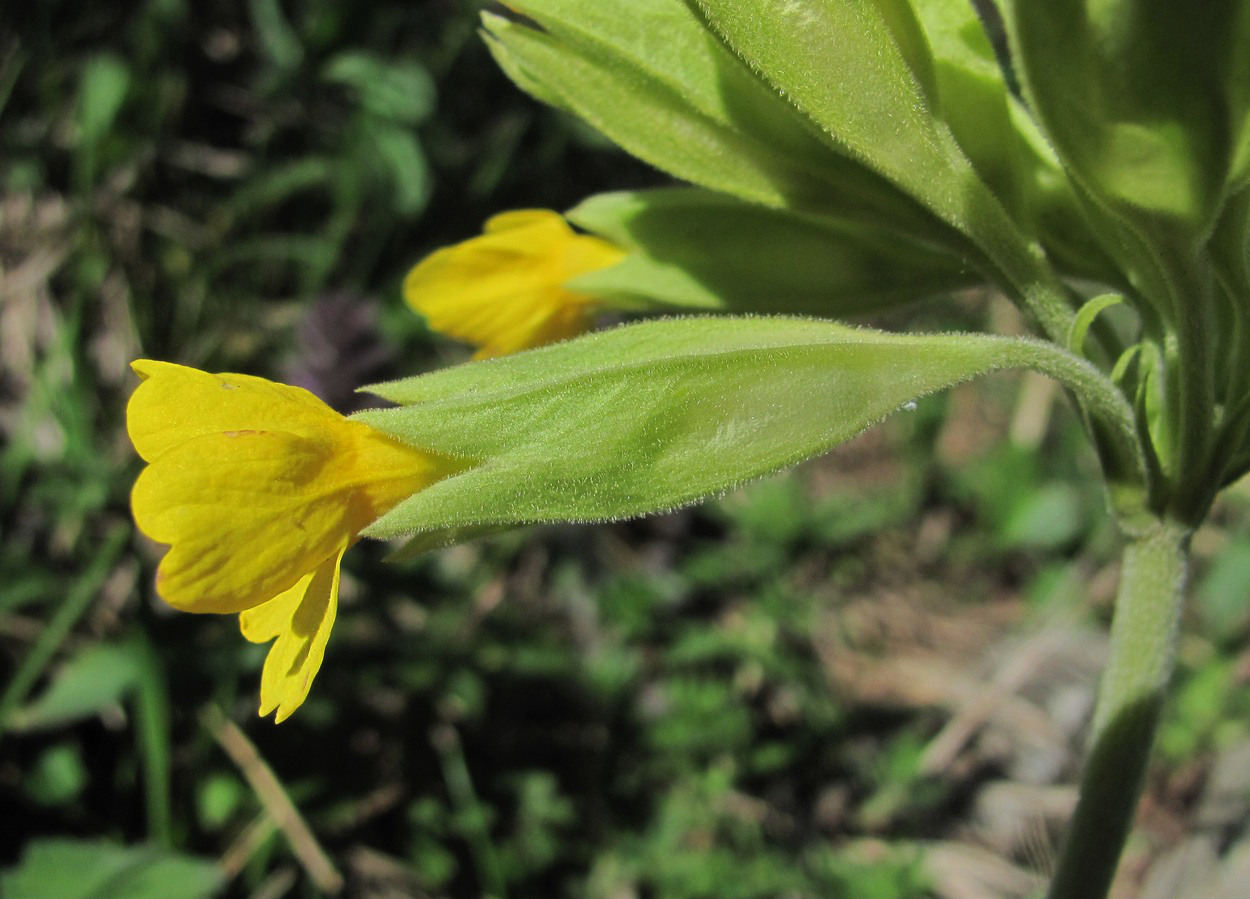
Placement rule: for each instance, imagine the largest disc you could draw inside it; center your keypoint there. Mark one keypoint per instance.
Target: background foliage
(866, 677)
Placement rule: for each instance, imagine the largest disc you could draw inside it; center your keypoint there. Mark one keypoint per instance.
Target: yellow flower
(258, 488)
(503, 291)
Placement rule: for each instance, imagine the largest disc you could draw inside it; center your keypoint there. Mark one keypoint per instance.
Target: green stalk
(1143, 649)
(1112, 422)
(1196, 374)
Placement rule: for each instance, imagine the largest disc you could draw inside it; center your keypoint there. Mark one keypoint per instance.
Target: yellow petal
(265, 622)
(521, 219)
(246, 515)
(259, 488)
(253, 484)
(299, 621)
(175, 403)
(504, 290)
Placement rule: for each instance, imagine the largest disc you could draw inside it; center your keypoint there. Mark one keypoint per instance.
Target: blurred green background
(866, 677)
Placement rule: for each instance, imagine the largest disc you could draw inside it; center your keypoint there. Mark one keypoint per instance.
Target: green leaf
(1140, 97)
(99, 676)
(69, 869)
(1223, 595)
(1051, 210)
(854, 68)
(57, 777)
(857, 69)
(270, 187)
(696, 249)
(655, 415)
(1085, 317)
(655, 91)
(1047, 518)
(105, 83)
(280, 42)
(400, 91)
(219, 797)
(1236, 85)
(656, 81)
(972, 95)
(399, 156)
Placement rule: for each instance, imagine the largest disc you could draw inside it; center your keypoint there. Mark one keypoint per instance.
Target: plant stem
(1195, 320)
(1143, 648)
(1110, 415)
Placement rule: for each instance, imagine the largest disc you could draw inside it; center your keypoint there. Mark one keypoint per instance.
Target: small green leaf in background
(1049, 518)
(105, 83)
(280, 42)
(1198, 706)
(700, 717)
(543, 815)
(57, 777)
(1223, 594)
(399, 156)
(275, 185)
(69, 869)
(100, 676)
(897, 783)
(435, 865)
(1021, 508)
(218, 797)
(401, 91)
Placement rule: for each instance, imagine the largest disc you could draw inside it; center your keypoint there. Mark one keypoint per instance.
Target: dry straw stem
(274, 799)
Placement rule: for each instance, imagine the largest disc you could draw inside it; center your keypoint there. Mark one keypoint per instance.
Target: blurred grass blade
(11, 65)
(273, 796)
(152, 732)
(407, 174)
(280, 183)
(77, 601)
(472, 816)
(279, 40)
(401, 91)
(105, 82)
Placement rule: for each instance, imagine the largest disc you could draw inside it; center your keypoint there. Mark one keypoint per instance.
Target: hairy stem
(1143, 644)
(1111, 419)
